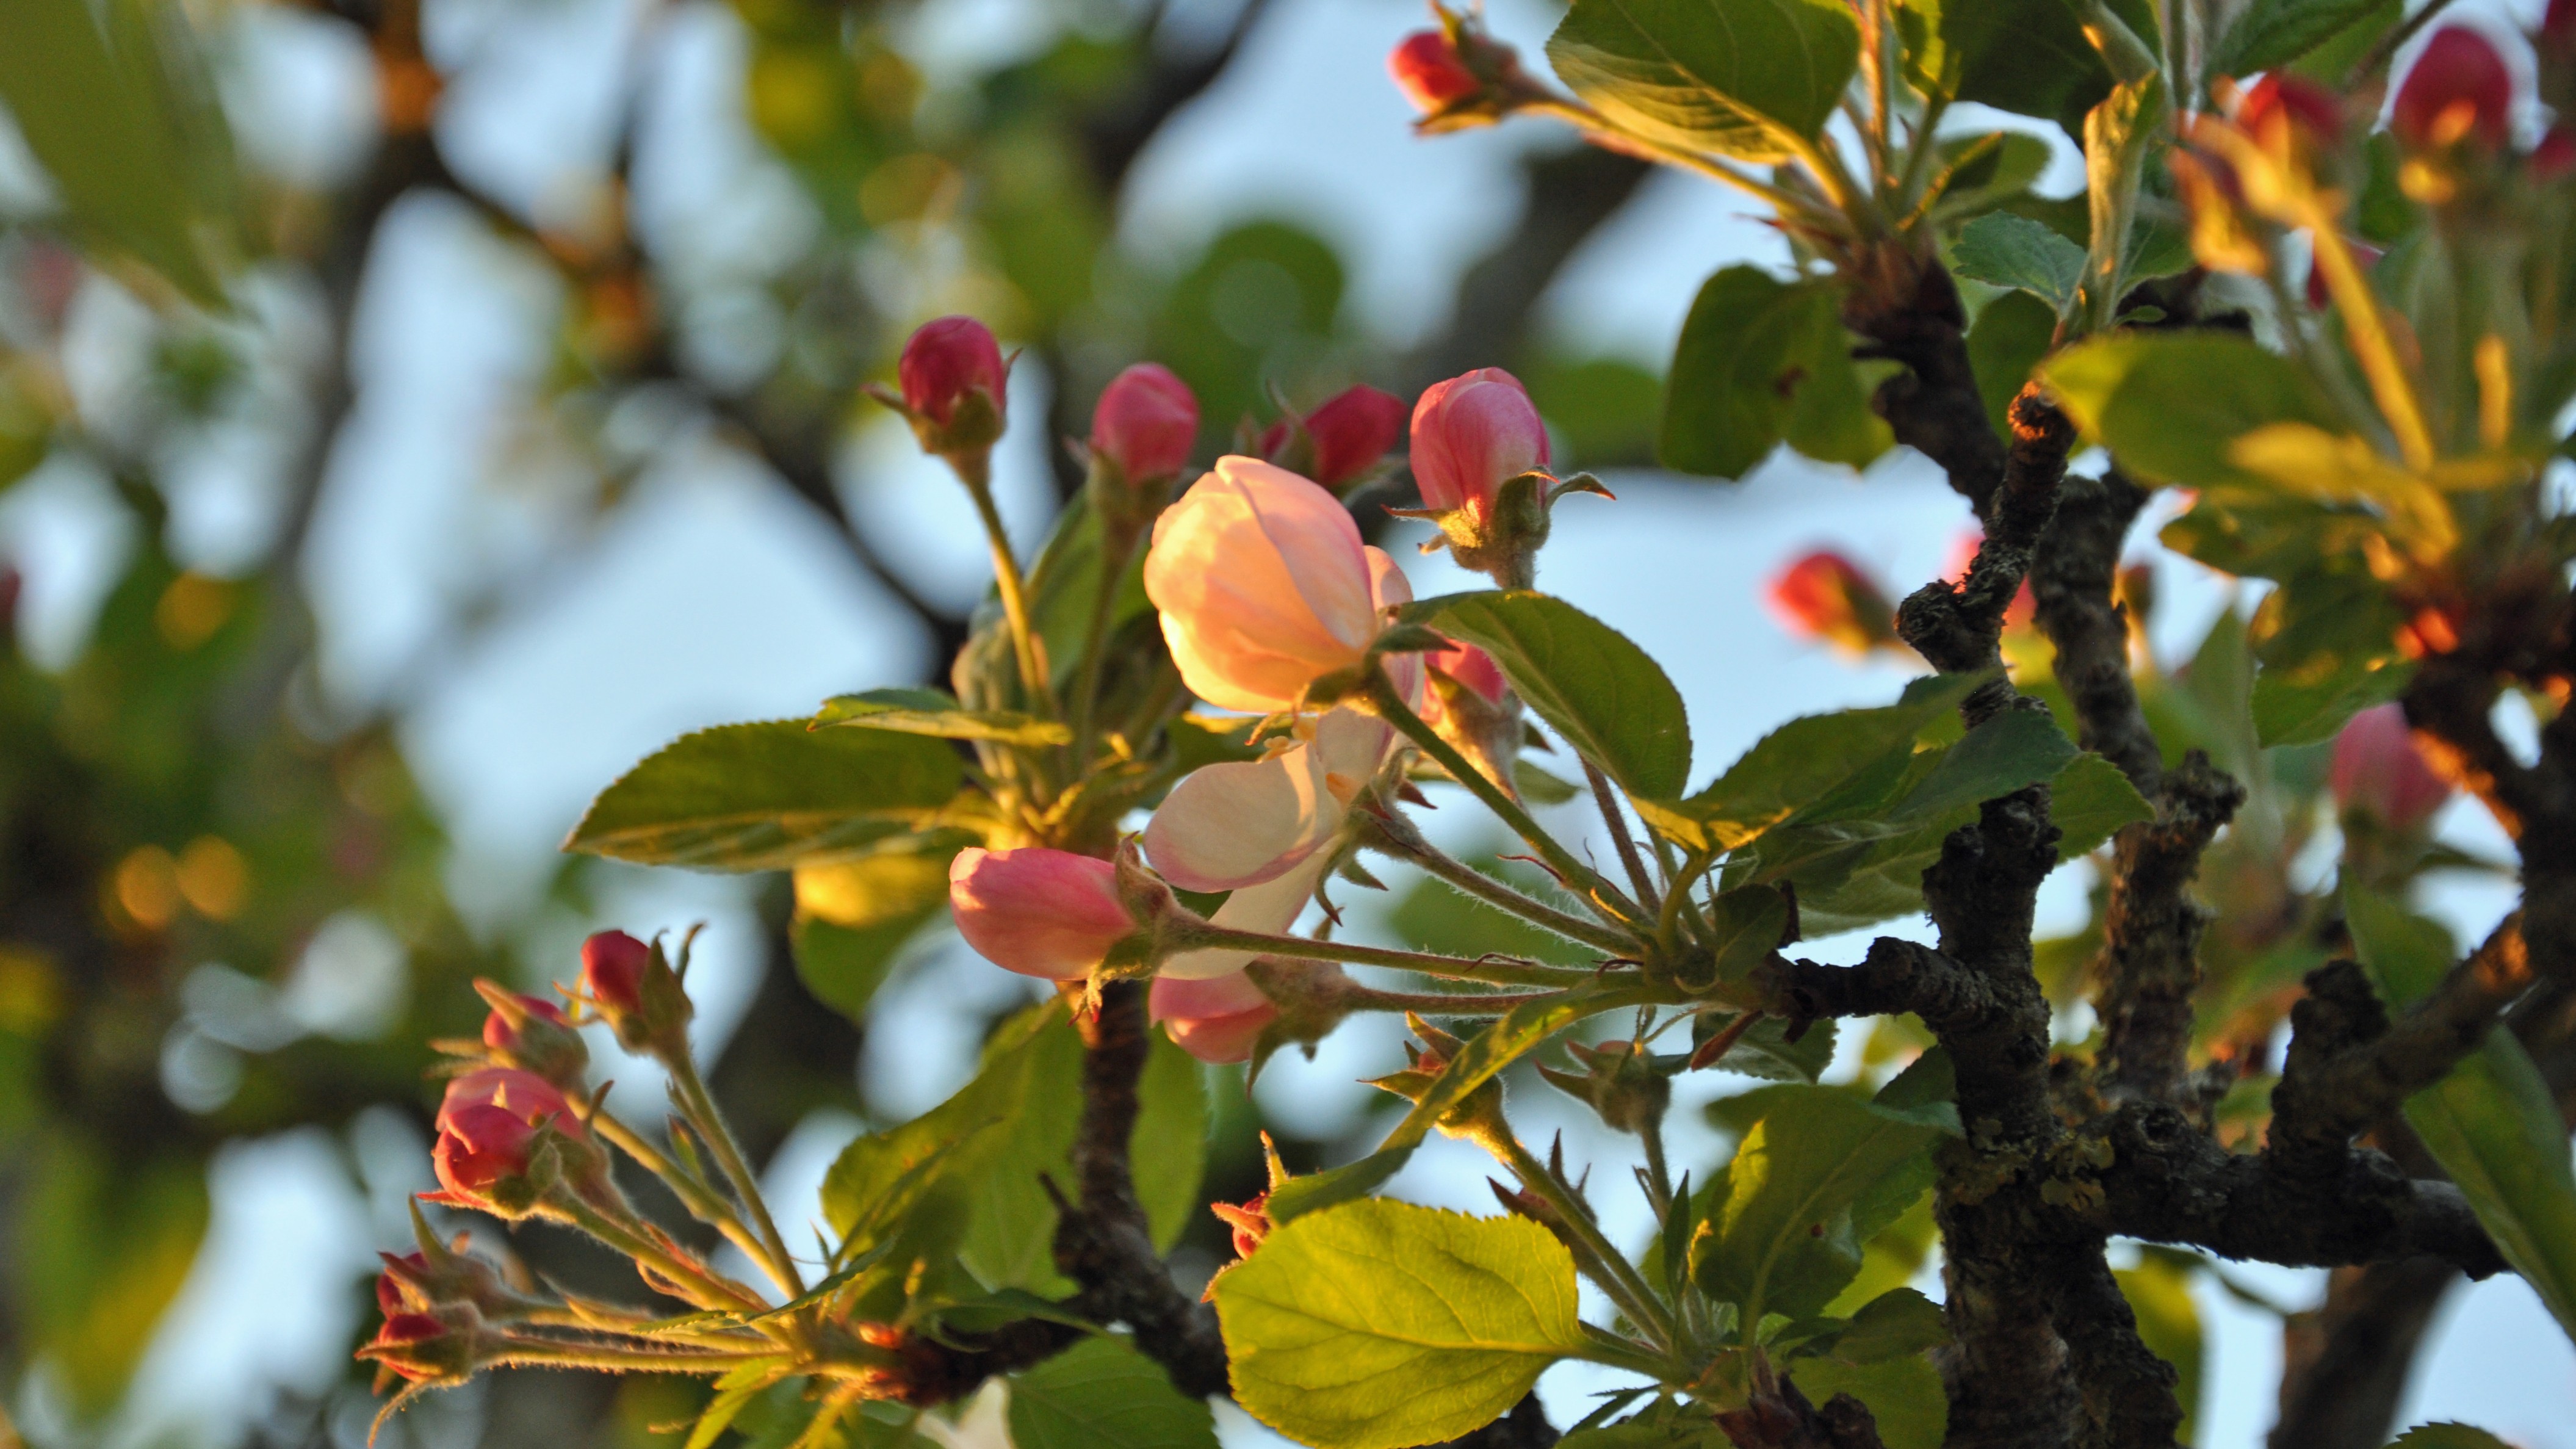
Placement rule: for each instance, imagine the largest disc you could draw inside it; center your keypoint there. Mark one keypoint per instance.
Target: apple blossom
(1216, 1019)
(1265, 586)
(947, 363)
(612, 970)
(1240, 823)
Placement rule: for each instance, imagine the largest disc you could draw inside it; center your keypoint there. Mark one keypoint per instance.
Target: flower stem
(1395, 836)
(1117, 547)
(1609, 1267)
(701, 1286)
(702, 1201)
(614, 1358)
(1489, 969)
(1390, 706)
(1608, 800)
(975, 471)
(699, 1107)
(1443, 1003)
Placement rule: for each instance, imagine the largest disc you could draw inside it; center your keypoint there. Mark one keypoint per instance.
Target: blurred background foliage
(228, 909)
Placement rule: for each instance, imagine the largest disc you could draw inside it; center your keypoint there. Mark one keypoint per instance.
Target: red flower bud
(397, 1288)
(1146, 423)
(1428, 70)
(1825, 596)
(612, 970)
(412, 1345)
(2279, 99)
(2378, 771)
(1250, 1222)
(1039, 912)
(1348, 435)
(501, 1035)
(2556, 38)
(948, 360)
(480, 1148)
(1471, 435)
(2459, 88)
(2555, 156)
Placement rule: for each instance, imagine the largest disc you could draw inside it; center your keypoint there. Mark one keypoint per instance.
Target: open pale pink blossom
(1217, 1019)
(1047, 913)
(1241, 823)
(1265, 586)
(1471, 435)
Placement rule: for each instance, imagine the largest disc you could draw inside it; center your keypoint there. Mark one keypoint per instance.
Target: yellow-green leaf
(1378, 1325)
(767, 796)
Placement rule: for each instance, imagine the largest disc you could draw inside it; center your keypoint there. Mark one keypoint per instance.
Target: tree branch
(2127, 1391)
(2071, 581)
(1933, 406)
(1102, 1241)
(2149, 967)
(2346, 1363)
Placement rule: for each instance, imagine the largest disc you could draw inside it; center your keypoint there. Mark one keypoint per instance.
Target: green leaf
(1379, 1324)
(2492, 1123)
(1102, 1394)
(1591, 683)
(1316, 1191)
(1817, 1176)
(2005, 343)
(2309, 703)
(2005, 250)
(767, 796)
(2159, 1293)
(2272, 33)
(1168, 1150)
(1765, 1051)
(1802, 762)
(1761, 360)
(2088, 801)
(2017, 748)
(1538, 787)
(2494, 1126)
(1904, 1396)
(1746, 78)
(1898, 1322)
(931, 712)
(2172, 404)
(1745, 926)
(122, 117)
(2028, 56)
(965, 1174)
(2447, 1436)
(854, 917)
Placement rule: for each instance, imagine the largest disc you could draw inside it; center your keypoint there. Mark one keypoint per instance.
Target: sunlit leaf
(1747, 78)
(1379, 1324)
(1591, 683)
(766, 796)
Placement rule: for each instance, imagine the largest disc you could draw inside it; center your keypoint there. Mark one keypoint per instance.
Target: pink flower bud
(2459, 88)
(2279, 99)
(1146, 423)
(1470, 435)
(612, 970)
(1428, 70)
(1046, 913)
(1265, 586)
(524, 1095)
(1825, 596)
(1350, 432)
(1250, 1222)
(946, 361)
(1216, 1020)
(2379, 771)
